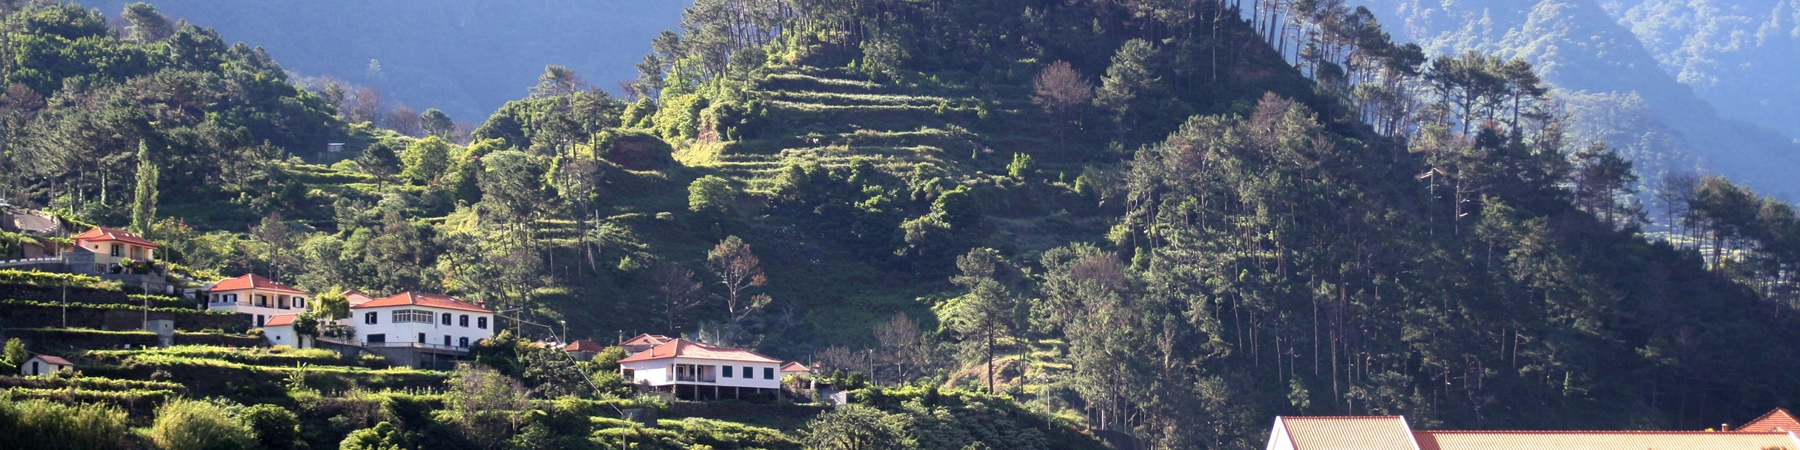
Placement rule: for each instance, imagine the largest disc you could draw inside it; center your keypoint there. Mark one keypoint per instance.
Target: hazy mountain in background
(1616, 88)
(1738, 55)
(465, 57)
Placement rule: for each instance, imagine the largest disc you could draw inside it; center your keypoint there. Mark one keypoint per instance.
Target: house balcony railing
(697, 378)
(419, 345)
(213, 304)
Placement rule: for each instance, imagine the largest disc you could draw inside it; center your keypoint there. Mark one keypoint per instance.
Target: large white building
(696, 371)
(428, 321)
(260, 299)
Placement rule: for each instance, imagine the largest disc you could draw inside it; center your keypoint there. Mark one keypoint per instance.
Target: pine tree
(143, 208)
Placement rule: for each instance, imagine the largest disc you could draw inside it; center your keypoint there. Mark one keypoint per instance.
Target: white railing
(30, 261)
(417, 345)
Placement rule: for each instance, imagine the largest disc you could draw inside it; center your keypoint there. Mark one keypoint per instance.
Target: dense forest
(1166, 220)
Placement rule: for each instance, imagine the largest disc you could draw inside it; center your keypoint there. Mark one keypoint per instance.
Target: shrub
(184, 424)
(37, 423)
(275, 428)
(710, 193)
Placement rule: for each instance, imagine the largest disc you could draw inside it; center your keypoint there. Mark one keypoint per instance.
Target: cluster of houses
(415, 328)
(1773, 431)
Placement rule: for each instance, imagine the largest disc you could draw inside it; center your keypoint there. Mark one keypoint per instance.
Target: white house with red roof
(44, 365)
(696, 371)
(111, 245)
(258, 298)
(418, 320)
(279, 330)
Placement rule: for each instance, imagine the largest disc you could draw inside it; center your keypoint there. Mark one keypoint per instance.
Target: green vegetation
(1150, 221)
(36, 423)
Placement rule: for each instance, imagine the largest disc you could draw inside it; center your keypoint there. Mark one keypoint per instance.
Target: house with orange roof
(435, 323)
(583, 349)
(44, 365)
(696, 371)
(1779, 420)
(1393, 433)
(643, 342)
(111, 245)
(256, 297)
(279, 330)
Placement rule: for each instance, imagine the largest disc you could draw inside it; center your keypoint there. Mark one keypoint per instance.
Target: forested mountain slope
(1142, 217)
(1615, 86)
(1737, 55)
(463, 57)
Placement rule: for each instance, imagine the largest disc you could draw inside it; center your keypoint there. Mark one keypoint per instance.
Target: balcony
(420, 346)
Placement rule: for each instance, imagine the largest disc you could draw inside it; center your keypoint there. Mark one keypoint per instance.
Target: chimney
(1726, 427)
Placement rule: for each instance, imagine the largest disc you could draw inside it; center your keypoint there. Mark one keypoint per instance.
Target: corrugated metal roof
(1603, 440)
(1349, 433)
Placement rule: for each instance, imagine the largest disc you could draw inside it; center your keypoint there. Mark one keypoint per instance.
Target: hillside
(1156, 224)
(1581, 49)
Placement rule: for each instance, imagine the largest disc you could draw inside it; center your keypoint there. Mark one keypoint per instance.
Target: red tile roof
(280, 321)
(1602, 440)
(795, 367)
(1777, 420)
(103, 234)
(57, 360)
(426, 300)
(683, 348)
(254, 281)
(583, 345)
(646, 339)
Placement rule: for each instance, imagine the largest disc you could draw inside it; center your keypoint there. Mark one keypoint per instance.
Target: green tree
(14, 356)
(147, 25)
(858, 427)
(331, 306)
(436, 123)
(378, 159)
(40, 423)
(143, 206)
(710, 194)
(275, 427)
(989, 311)
(512, 185)
(1131, 76)
(382, 436)
(489, 406)
(427, 159)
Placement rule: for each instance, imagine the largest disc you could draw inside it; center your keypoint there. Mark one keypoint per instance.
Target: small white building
(411, 319)
(280, 331)
(696, 371)
(256, 297)
(44, 365)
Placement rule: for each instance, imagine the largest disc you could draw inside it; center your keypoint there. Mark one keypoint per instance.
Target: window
(446, 321)
(259, 320)
(412, 316)
(748, 373)
(481, 322)
(299, 302)
(727, 372)
(421, 338)
(462, 342)
(378, 338)
(463, 321)
(115, 249)
(369, 318)
(446, 340)
(768, 373)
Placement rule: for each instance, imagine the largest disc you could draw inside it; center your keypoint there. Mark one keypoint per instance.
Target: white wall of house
(465, 328)
(283, 335)
(37, 366)
(1278, 437)
(657, 372)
